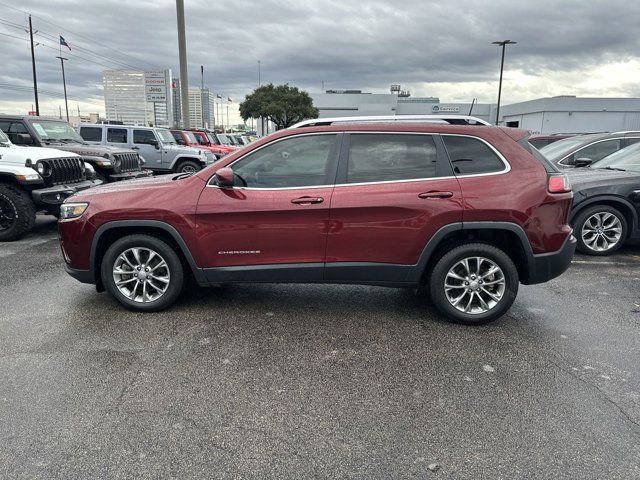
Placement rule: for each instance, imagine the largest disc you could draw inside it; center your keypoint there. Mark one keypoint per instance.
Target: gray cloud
(345, 44)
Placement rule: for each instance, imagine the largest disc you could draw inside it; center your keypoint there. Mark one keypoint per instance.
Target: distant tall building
(139, 98)
(201, 108)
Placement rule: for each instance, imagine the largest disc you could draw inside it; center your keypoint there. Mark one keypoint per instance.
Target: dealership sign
(441, 109)
(155, 86)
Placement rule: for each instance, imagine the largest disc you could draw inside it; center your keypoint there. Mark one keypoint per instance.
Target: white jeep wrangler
(36, 179)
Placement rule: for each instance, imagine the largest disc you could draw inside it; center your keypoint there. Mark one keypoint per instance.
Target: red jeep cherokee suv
(467, 210)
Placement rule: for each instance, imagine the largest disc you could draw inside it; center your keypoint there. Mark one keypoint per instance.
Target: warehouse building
(571, 114)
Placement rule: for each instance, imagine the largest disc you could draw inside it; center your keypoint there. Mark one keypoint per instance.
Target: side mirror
(224, 177)
(583, 162)
(23, 139)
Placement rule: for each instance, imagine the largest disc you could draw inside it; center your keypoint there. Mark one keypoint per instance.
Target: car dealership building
(563, 114)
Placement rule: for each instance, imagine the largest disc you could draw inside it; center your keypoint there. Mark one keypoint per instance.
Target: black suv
(110, 163)
(582, 150)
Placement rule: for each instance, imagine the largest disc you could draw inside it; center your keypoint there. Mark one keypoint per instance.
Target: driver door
(141, 142)
(272, 223)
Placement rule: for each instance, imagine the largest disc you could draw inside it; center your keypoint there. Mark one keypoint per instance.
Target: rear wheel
(474, 284)
(189, 166)
(143, 273)
(17, 213)
(601, 230)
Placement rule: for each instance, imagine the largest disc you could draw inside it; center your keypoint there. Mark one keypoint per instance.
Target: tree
(282, 104)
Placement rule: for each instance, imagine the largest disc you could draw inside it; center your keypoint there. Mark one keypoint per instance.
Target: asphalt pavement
(299, 381)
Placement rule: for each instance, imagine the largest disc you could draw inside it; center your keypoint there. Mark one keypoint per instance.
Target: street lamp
(502, 43)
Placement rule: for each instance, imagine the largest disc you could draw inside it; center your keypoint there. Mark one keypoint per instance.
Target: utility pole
(202, 93)
(259, 82)
(182, 49)
(64, 83)
(33, 66)
(503, 44)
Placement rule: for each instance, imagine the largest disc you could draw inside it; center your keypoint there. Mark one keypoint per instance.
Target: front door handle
(435, 194)
(307, 200)
(135, 148)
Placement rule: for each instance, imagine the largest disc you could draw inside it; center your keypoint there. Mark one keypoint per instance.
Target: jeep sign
(155, 87)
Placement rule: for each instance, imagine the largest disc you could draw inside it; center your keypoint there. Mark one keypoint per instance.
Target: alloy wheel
(474, 285)
(188, 169)
(601, 231)
(141, 274)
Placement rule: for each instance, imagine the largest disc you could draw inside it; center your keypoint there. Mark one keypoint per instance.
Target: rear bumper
(54, 196)
(545, 266)
(83, 276)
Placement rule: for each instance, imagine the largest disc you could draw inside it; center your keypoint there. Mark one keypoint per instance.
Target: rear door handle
(307, 200)
(435, 194)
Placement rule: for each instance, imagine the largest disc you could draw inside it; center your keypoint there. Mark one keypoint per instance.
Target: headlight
(29, 177)
(72, 210)
(44, 169)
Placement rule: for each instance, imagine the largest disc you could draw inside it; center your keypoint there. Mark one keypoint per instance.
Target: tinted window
(387, 157)
(470, 156)
(539, 142)
(91, 134)
(143, 136)
(595, 151)
(177, 136)
(117, 135)
(17, 127)
(294, 162)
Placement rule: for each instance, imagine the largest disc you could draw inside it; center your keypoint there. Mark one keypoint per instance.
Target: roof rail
(450, 119)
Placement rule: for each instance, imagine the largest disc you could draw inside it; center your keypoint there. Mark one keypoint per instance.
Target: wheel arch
(111, 231)
(178, 160)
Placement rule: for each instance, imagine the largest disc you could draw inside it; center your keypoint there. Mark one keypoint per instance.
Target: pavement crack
(602, 393)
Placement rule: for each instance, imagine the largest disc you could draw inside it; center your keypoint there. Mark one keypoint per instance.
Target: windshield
(212, 138)
(224, 139)
(627, 159)
(52, 131)
(191, 138)
(165, 136)
(3, 137)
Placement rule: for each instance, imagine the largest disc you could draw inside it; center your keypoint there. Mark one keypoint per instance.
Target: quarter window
(470, 156)
(295, 162)
(117, 135)
(91, 134)
(390, 157)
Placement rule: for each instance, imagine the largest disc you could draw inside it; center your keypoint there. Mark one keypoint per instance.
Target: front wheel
(17, 213)
(474, 284)
(143, 273)
(189, 166)
(601, 230)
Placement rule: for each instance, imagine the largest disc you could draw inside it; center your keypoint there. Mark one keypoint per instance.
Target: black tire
(584, 216)
(188, 166)
(160, 247)
(450, 259)
(17, 213)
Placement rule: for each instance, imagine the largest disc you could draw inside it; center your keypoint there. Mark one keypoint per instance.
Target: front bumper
(545, 266)
(83, 276)
(129, 175)
(54, 196)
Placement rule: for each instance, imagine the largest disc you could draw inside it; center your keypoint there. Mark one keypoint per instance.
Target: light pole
(64, 83)
(182, 51)
(502, 43)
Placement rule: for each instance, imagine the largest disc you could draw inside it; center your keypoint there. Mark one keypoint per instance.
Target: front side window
(117, 135)
(471, 156)
(595, 151)
(143, 136)
(390, 157)
(91, 134)
(294, 162)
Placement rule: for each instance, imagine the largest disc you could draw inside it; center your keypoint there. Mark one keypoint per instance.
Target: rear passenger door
(393, 192)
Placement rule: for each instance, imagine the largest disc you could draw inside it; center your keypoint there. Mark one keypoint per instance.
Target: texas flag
(63, 42)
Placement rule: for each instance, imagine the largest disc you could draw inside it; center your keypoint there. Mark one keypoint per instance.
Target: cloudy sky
(433, 48)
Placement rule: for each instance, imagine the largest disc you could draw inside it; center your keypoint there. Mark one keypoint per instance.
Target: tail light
(559, 184)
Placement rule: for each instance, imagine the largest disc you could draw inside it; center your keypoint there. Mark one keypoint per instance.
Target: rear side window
(390, 157)
(117, 135)
(470, 156)
(91, 134)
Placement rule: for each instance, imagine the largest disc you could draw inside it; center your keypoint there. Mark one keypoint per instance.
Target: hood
(88, 150)
(18, 155)
(589, 177)
(147, 183)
